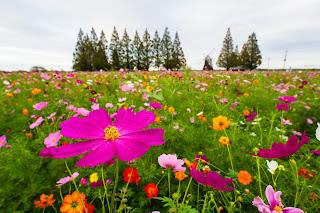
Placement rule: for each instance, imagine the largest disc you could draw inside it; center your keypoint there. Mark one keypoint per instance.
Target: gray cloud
(36, 32)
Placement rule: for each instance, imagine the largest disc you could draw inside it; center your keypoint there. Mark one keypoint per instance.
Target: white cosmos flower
(272, 166)
(318, 132)
(6, 82)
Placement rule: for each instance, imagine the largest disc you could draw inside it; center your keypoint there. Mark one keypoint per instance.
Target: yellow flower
(157, 120)
(220, 123)
(149, 88)
(170, 109)
(94, 177)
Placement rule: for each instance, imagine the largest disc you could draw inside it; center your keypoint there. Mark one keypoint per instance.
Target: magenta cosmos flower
(280, 150)
(287, 99)
(171, 160)
(123, 139)
(252, 116)
(3, 141)
(40, 106)
(274, 200)
(283, 107)
(212, 179)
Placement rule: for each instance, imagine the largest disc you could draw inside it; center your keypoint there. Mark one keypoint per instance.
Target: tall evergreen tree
(100, 60)
(137, 46)
(78, 55)
(147, 51)
(250, 54)
(156, 50)
(126, 50)
(87, 53)
(234, 58)
(166, 49)
(93, 51)
(178, 59)
(225, 59)
(115, 49)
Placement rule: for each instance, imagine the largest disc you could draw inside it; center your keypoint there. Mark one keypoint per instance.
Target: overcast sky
(44, 33)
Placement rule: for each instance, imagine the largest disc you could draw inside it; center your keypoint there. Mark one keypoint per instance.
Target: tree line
(93, 53)
(249, 57)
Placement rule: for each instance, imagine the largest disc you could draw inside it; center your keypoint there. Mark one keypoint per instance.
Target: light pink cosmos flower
(52, 140)
(189, 110)
(3, 141)
(109, 105)
(37, 123)
(296, 133)
(171, 160)
(309, 121)
(83, 111)
(192, 119)
(17, 91)
(274, 200)
(95, 107)
(285, 121)
(122, 99)
(224, 100)
(67, 179)
(51, 115)
(40, 106)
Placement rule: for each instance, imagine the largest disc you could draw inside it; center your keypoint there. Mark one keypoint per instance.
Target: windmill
(207, 61)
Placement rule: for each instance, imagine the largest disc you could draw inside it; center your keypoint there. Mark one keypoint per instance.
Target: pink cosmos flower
(52, 140)
(40, 106)
(122, 99)
(224, 100)
(84, 181)
(309, 121)
(251, 116)
(285, 121)
(67, 179)
(171, 160)
(51, 115)
(3, 141)
(296, 133)
(212, 179)
(155, 105)
(37, 123)
(280, 150)
(109, 105)
(287, 99)
(315, 152)
(83, 111)
(192, 119)
(123, 139)
(283, 107)
(95, 107)
(189, 110)
(275, 203)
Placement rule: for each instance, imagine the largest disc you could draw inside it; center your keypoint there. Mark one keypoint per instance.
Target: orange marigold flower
(246, 112)
(29, 99)
(73, 204)
(189, 165)
(9, 95)
(29, 135)
(25, 111)
(220, 123)
(246, 94)
(170, 109)
(36, 91)
(224, 141)
(45, 201)
(256, 81)
(157, 120)
(181, 175)
(244, 177)
(152, 190)
(164, 108)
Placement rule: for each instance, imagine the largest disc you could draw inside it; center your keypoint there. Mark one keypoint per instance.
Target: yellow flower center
(277, 208)
(41, 106)
(1, 142)
(111, 133)
(53, 139)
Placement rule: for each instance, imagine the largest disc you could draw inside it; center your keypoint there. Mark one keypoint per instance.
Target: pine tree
(115, 48)
(87, 56)
(234, 58)
(78, 55)
(156, 50)
(93, 50)
(166, 49)
(126, 50)
(137, 47)
(250, 54)
(101, 57)
(225, 59)
(178, 59)
(147, 51)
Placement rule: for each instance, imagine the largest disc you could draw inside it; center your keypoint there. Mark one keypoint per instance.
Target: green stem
(297, 187)
(198, 193)
(54, 208)
(123, 193)
(215, 204)
(169, 181)
(259, 175)
(229, 151)
(61, 195)
(75, 185)
(115, 186)
(105, 189)
(205, 203)
(160, 179)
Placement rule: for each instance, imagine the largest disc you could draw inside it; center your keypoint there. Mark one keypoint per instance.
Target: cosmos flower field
(164, 141)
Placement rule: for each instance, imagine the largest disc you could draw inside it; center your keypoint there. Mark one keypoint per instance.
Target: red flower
(152, 190)
(306, 174)
(135, 176)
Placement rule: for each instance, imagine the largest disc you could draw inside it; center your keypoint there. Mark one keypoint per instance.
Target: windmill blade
(203, 52)
(211, 51)
(201, 61)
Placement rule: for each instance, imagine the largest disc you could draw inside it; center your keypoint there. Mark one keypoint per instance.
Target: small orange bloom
(246, 94)
(246, 112)
(157, 120)
(25, 111)
(29, 135)
(29, 99)
(164, 108)
(256, 81)
(181, 175)
(45, 201)
(224, 141)
(9, 95)
(189, 165)
(244, 177)
(36, 91)
(170, 109)
(73, 204)
(220, 123)
(152, 190)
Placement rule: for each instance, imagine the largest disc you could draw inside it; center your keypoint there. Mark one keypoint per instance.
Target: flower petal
(198, 176)
(292, 210)
(127, 149)
(154, 136)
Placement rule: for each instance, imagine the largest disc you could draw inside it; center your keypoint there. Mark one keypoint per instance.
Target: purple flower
(123, 139)
(280, 150)
(52, 140)
(96, 184)
(155, 105)
(251, 116)
(67, 179)
(283, 107)
(171, 160)
(3, 141)
(203, 159)
(275, 203)
(315, 152)
(84, 181)
(287, 99)
(212, 179)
